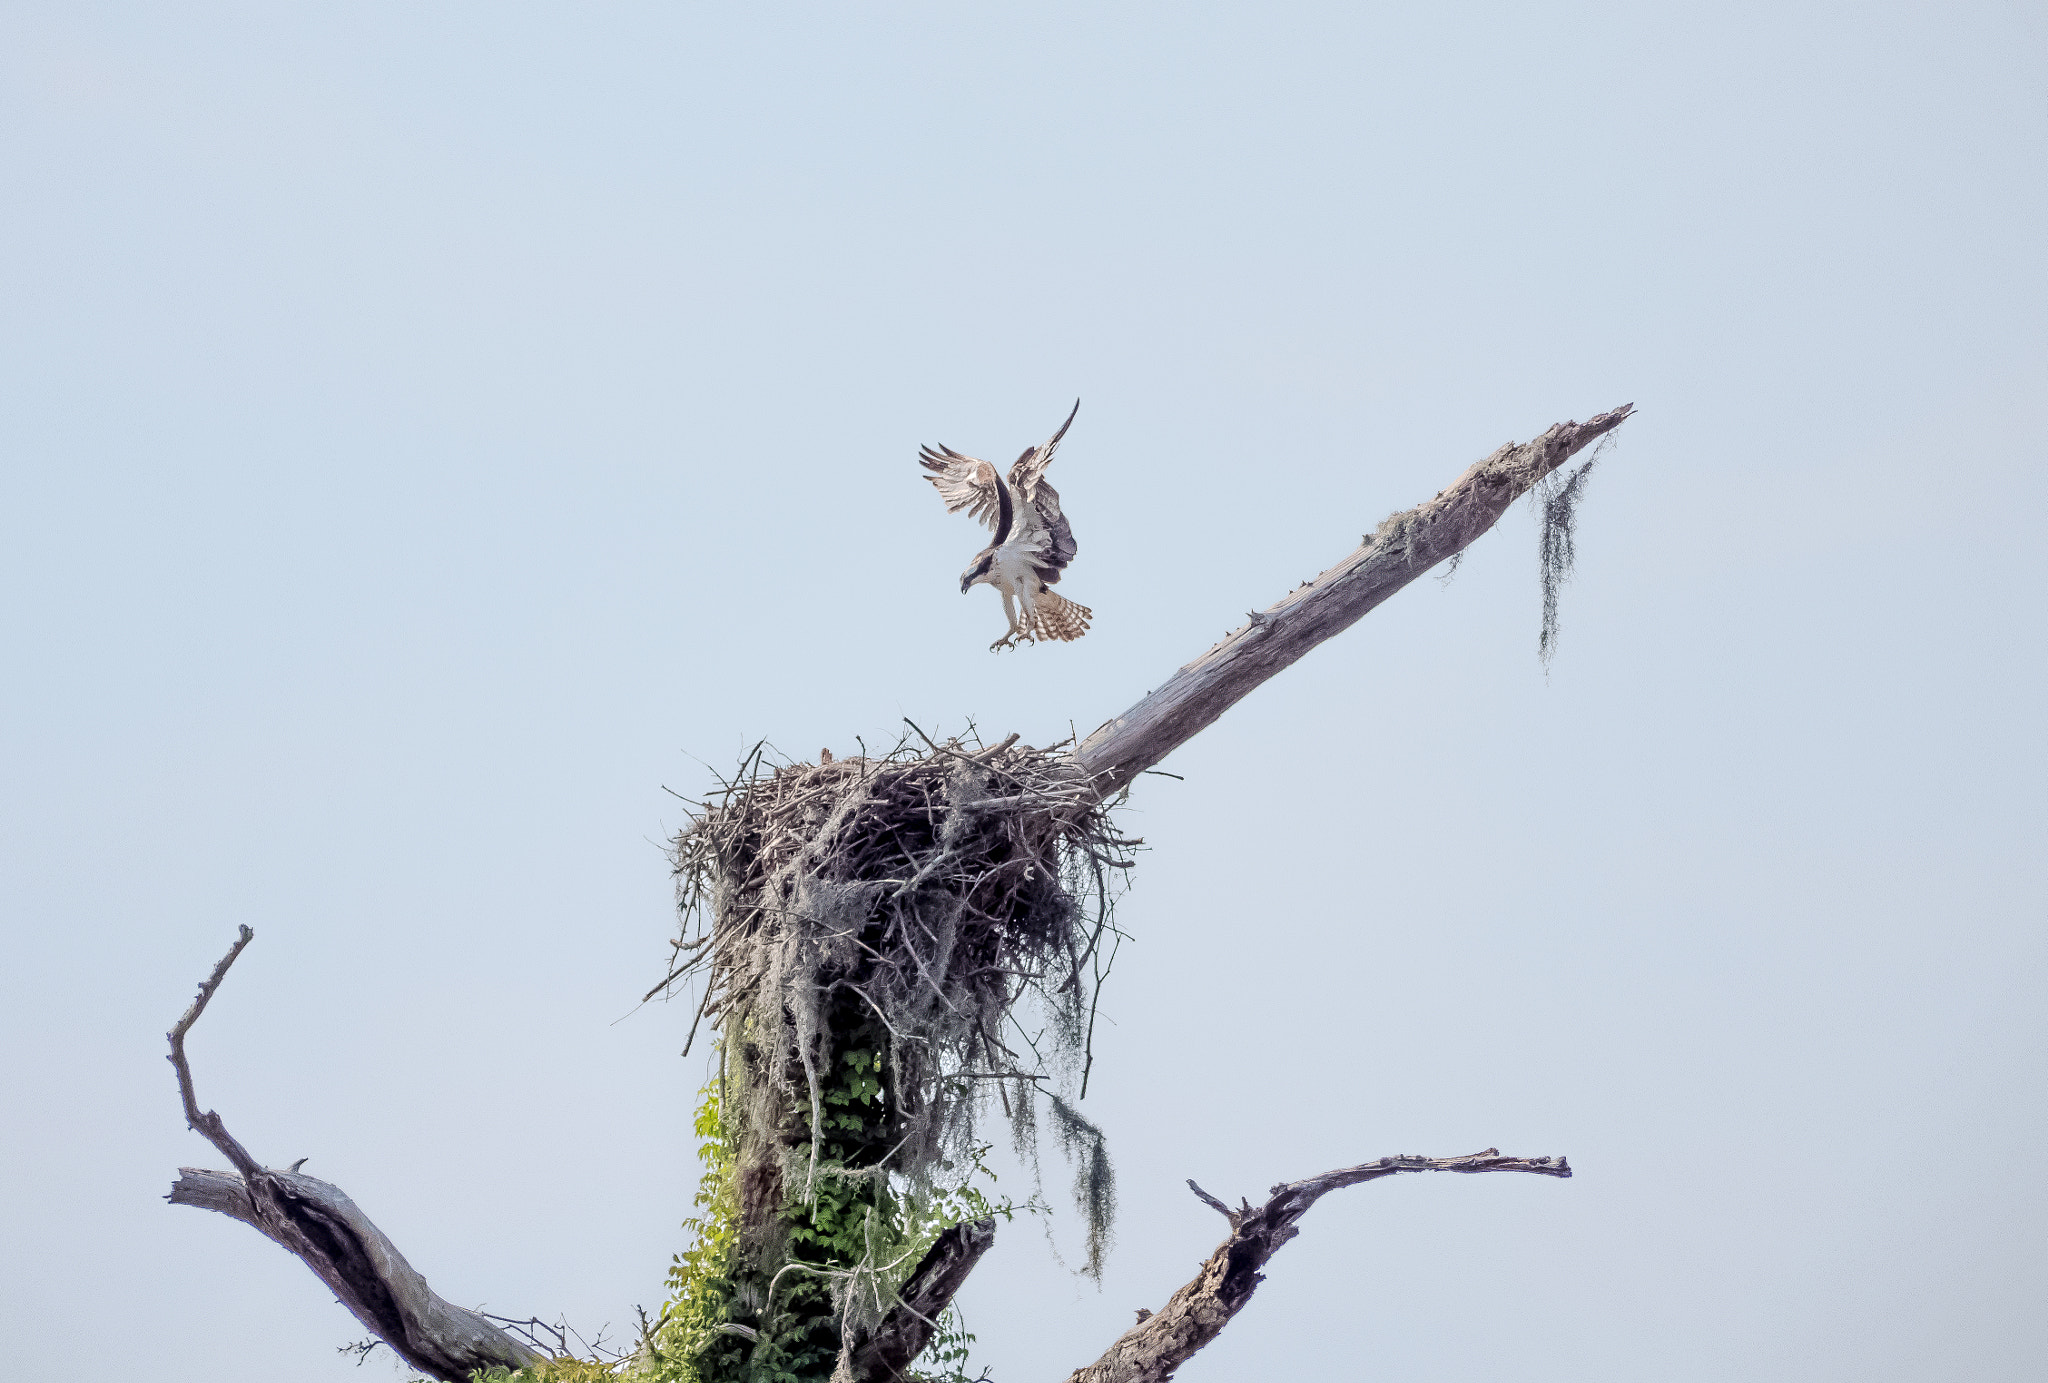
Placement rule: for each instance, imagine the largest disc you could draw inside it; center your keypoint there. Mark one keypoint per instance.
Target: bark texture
(319, 1224)
(1402, 548)
(1160, 1343)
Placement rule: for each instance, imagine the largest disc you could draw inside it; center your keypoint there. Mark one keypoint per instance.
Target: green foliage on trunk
(850, 1238)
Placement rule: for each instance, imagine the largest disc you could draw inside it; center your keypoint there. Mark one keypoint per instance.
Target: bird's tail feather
(1055, 617)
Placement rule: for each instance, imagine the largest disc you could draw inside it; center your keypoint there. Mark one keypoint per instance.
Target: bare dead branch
(882, 1355)
(1218, 1206)
(324, 1229)
(1402, 548)
(208, 1124)
(1151, 1350)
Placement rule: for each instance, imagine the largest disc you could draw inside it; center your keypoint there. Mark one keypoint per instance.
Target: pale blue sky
(425, 428)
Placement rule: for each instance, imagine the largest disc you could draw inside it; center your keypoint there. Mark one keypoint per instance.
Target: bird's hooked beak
(966, 580)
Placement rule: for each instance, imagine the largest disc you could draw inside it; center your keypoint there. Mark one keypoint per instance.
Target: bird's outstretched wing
(964, 482)
(1056, 545)
(1031, 465)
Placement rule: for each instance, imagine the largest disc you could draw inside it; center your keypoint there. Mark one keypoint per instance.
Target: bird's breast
(1013, 567)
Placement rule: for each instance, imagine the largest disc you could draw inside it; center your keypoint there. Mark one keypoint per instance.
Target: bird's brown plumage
(1033, 541)
(969, 483)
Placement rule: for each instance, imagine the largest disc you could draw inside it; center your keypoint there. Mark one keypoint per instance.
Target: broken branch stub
(1151, 1350)
(881, 1355)
(1402, 548)
(325, 1230)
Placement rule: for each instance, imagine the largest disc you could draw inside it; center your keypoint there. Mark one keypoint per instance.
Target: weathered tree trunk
(320, 1225)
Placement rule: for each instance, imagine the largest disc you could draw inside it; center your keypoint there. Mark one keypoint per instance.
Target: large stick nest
(960, 893)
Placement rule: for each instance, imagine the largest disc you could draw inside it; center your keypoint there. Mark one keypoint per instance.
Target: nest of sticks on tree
(958, 895)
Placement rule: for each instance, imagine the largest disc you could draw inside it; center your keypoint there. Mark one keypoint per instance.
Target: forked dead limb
(317, 1222)
(1158, 1344)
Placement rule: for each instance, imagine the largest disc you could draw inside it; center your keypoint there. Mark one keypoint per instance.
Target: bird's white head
(977, 572)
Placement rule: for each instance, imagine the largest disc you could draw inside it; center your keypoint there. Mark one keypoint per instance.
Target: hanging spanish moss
(1558, 495)
(943, 908)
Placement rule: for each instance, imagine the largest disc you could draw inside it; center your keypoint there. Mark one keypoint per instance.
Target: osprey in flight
(1033, 542)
